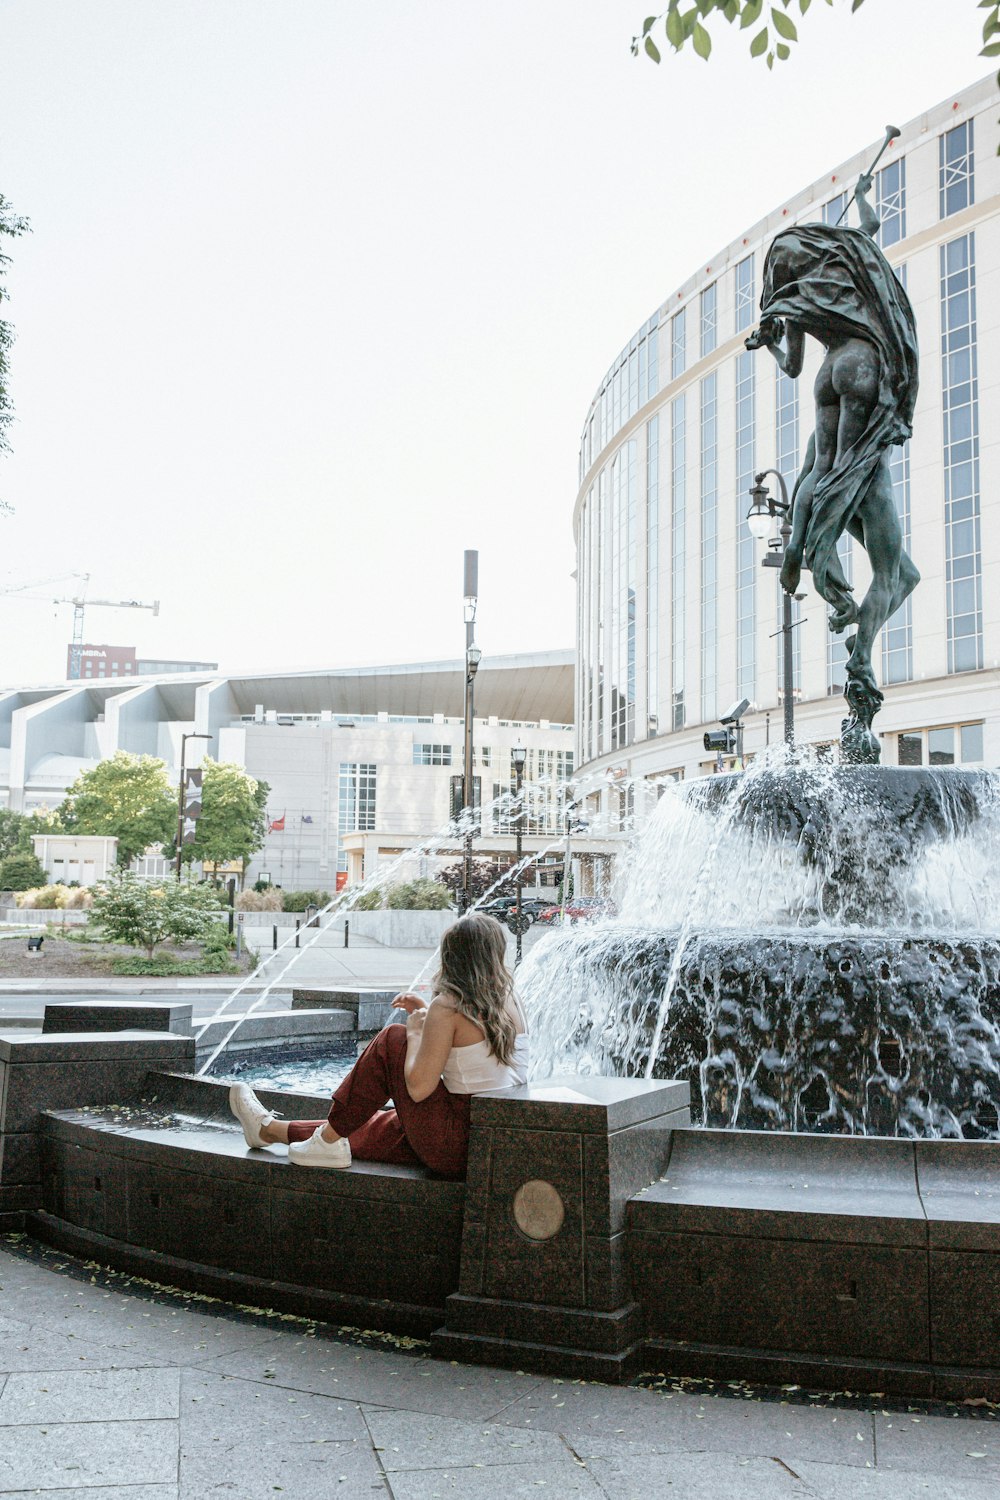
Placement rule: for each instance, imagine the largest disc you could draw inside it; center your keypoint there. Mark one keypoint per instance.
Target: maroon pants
(432, 1133)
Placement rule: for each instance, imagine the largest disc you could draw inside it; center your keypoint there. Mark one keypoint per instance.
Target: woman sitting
(472, 1038)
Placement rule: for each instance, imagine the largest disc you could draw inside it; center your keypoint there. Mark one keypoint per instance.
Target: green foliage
(417, 895)
(21, 872)
(15, 837)
(299, 900)
(368, 901)
(165, 967)
(12, 226)
(143, 913)
(231, 825)
(484, 876)
(687, 21)
(128, 797)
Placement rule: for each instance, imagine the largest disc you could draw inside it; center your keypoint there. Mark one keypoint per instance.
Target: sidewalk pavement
(113, 1390)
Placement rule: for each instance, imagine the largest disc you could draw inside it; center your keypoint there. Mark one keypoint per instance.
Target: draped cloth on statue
(836, 283)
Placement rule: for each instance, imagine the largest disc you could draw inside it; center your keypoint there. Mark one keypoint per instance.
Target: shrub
(268, 899)
(418, 895)
(163, 966)
(21, 872)
(143, 913)
(368, 901)
(74, 897)
(299, 900)
(41, 898)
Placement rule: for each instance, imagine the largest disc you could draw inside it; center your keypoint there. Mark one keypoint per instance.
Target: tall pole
(470, 599)
(764, 506)
(519, 774)
(182, 796)
(787, 655)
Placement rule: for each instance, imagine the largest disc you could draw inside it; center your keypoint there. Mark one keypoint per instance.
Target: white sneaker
(315, 1152)
(250, 1112)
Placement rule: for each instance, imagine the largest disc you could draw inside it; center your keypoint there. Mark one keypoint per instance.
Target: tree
(128, 797)
(11, 225)
(687, 21)
(231, 825)
(484, 877)
(15, 836)
(142, 914)
(21, 871)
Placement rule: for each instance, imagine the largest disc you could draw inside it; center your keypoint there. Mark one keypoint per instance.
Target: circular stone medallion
(538, 1210)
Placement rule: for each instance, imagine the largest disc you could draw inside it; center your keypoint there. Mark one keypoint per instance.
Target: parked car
(578, 909)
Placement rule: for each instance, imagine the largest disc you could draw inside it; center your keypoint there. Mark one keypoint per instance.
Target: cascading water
(813, 947)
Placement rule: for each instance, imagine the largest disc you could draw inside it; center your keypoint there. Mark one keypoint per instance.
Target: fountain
(814, 948)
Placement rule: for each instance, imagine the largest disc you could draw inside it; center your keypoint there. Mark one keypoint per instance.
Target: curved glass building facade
(676, 617)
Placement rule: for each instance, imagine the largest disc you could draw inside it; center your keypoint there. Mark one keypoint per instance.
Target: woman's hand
(409, 1002)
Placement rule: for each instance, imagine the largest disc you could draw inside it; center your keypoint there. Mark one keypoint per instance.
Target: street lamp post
(182, 795)
(518, 756)
(759, 517)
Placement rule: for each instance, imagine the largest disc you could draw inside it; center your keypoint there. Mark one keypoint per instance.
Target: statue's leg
(882, 539)
(854, 375)
(802, 495)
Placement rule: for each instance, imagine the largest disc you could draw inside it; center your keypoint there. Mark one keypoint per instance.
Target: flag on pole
(277, 826)
(192, 805)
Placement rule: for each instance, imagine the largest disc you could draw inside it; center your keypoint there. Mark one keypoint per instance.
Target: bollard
(347, 930)
(239, 935)
(274, 937)
(298, 924)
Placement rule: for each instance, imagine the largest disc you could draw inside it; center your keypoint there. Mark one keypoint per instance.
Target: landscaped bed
(80, 958)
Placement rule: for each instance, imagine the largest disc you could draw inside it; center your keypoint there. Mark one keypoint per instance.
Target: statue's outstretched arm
(869, 219)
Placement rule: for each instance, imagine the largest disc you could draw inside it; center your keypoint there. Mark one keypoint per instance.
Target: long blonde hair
(473, 974)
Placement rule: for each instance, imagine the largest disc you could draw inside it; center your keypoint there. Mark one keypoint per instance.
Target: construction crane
(79, 604)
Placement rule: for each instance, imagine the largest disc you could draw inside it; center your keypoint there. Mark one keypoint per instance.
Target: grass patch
(165, 967)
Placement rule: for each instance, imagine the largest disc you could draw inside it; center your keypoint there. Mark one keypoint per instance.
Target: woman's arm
(429, 1037)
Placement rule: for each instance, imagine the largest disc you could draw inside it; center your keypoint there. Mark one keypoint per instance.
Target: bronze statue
(836, 285)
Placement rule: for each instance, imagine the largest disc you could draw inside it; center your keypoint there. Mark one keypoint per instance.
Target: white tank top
(476, 1070)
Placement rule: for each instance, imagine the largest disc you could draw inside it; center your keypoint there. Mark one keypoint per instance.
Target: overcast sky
(319, 291)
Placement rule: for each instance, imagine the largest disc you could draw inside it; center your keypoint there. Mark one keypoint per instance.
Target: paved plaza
(111, 1389)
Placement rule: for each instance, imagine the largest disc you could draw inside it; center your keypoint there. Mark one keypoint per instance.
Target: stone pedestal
(63, 1016)
(544, 1278)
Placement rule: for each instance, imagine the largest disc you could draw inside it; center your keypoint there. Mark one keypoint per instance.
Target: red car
(577, 909)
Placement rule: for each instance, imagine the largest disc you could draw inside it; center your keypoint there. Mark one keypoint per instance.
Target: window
(834, 211)
(678, 555)
(746, 559)
(890, 203)
(945, 745)
(678, 343)
(356, 802)
(960, 402)
(482, 755)
(633, 379)
(708, 320)
(956, 170)
(709, 546)
(652, 573)
(744, 294)
(911, 749)
(432, 755)
(897, 634)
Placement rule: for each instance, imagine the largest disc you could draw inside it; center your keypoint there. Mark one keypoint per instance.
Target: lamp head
(759, 515)
(518, 756)
(472, 659)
